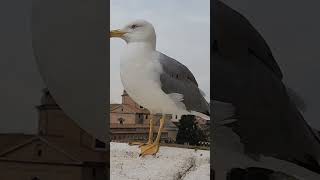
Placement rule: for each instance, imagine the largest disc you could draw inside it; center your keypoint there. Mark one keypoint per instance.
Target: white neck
(140, 46)
(137, 52)
(143, 45)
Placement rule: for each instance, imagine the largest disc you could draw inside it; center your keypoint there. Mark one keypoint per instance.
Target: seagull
(253, 106)
(156, 81)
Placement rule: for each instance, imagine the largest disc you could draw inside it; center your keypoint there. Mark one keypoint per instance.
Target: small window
(121, 109)
(146, 116)
(141, 107)
(121, 120)
(176, 116)
(39, 152)
(94, 172)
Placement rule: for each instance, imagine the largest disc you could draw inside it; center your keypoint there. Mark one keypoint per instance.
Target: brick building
(130, 121)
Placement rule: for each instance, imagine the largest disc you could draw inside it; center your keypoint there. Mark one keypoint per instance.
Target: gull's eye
(133, 26)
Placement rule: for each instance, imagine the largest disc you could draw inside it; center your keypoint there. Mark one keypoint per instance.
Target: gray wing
(177, 78)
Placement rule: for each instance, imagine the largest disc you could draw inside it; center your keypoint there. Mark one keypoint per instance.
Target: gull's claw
(150, 149)
(143, 147)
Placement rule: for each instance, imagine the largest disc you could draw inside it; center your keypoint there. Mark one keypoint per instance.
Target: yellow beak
(116, 33)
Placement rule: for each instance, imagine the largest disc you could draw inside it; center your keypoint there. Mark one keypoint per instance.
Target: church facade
(130, 122)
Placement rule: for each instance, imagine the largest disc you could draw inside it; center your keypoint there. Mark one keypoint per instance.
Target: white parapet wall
(170, 163)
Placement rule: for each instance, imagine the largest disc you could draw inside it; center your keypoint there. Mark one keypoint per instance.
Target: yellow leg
(154, 147)
(150, 138)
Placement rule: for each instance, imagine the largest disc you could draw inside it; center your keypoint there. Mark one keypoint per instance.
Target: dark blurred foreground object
(70, 45)
(255, 173)
(265, 113)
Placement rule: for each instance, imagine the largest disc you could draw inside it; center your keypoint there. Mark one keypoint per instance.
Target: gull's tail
(203, 116)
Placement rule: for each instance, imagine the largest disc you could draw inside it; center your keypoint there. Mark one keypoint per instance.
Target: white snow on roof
(169, 163)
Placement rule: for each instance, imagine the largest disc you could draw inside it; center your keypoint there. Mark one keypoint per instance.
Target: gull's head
(136, 31)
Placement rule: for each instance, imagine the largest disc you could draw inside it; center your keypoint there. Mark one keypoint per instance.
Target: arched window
(121, 120)
(38, 150)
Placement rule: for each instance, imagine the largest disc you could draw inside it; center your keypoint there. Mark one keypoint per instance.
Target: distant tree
(189, 132)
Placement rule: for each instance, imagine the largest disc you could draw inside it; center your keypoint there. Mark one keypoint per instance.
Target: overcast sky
(183, 33)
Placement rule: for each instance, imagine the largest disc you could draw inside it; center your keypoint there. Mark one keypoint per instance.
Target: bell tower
(127, 100)
(53, 122)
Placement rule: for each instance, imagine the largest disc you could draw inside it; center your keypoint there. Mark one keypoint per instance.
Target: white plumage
(140, 75)
(140, 71)
(156, 81)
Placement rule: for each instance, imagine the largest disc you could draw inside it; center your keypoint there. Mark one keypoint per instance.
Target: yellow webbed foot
(151, 149)
(145, 146)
